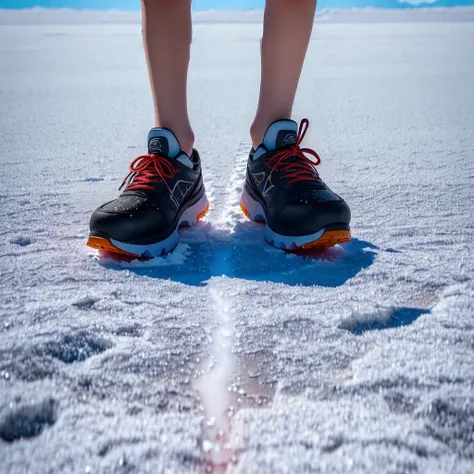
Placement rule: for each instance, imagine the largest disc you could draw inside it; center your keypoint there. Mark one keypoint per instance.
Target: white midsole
(189, 217)
(256, 212)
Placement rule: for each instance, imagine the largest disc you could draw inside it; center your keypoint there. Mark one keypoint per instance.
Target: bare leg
(287, 29)
(167, 32)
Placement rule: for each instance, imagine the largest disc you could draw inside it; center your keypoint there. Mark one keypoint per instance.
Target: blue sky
(224, 4)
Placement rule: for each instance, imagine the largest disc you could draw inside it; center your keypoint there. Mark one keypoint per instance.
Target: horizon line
(423, 6)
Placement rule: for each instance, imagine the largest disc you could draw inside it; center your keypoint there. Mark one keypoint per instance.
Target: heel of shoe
(193, 214)
(252, 209)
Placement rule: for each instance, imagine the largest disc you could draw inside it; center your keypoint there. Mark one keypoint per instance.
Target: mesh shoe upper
(282, 176)
(158, 188)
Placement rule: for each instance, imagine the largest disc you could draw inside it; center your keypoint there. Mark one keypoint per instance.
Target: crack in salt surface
(213, 385)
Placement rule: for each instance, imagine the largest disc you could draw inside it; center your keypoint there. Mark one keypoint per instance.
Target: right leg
(283, 187)
(286, 33)
(164, 189)
(167, 33)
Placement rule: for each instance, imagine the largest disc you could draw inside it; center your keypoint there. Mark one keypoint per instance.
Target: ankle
(185, 135)
(260, 126)
(186, 140)
(257, 132)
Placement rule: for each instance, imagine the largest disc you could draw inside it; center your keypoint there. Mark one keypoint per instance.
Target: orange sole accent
(328, 239)
(105, 245)
(246, 213)
(203, 213)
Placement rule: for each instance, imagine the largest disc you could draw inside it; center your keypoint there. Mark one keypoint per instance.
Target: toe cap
(139, 227)
(308, 218)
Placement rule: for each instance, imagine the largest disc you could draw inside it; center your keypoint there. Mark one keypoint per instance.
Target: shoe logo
(179, 191)
(156, 145)
(259, 177)
(290, 139)
(267, 188)
(263, 186)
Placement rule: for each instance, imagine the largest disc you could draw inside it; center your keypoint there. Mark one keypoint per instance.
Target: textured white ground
(361, 360)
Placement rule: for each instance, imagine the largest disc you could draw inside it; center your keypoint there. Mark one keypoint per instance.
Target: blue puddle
(399, 317)
(244, 254)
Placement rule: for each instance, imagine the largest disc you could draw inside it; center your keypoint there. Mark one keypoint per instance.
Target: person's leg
(287, 29)
(167, 33)
(282, 186)
(145, 224)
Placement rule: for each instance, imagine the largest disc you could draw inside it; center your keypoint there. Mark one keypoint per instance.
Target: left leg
(283, 186)
(164, 188)
(287, 30)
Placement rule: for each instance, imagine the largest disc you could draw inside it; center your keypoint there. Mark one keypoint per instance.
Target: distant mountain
(393, 4)
(203, 5)
(51, 16)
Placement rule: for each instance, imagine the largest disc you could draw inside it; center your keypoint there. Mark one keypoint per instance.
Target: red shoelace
(302, 169)
(147, 170)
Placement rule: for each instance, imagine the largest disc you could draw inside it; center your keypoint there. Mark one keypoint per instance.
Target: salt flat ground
(359, 360)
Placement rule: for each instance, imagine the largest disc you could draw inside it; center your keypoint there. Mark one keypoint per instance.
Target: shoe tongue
(280, 134)
(163, 142)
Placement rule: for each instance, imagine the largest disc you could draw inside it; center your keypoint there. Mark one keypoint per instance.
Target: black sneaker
(164, 190)
(284, 189)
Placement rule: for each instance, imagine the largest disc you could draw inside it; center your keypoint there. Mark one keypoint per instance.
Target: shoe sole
(324, 238)
(190, 217)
